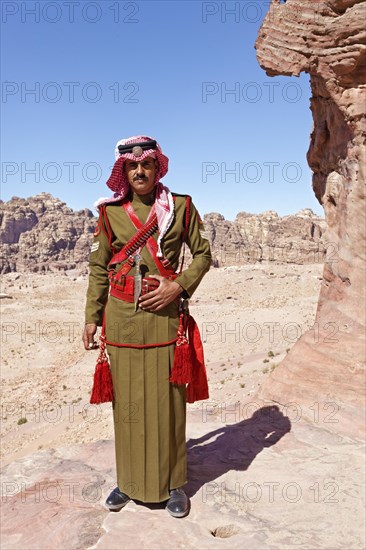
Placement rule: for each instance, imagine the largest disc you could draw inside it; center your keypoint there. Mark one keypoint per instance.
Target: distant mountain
(42, 233)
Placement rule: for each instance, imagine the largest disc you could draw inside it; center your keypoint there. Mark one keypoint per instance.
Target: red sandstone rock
(253, 485)
(328, 40)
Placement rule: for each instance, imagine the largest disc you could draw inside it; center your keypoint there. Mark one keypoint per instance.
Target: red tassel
(182, 367)
(198, 388)
(102, 391)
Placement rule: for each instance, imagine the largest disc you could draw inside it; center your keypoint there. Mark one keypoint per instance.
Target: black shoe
(116, 500)
(178, 504)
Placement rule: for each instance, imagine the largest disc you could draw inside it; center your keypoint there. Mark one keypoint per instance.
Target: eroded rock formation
(327, 39)
(267, 237)
(41, 233)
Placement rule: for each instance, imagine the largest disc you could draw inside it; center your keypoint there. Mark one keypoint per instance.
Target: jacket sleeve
(97, 293)
(199, 246)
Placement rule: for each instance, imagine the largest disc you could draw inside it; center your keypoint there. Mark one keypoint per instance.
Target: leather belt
(124, 290)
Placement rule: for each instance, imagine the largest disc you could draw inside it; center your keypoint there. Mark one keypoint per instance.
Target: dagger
(137, 286)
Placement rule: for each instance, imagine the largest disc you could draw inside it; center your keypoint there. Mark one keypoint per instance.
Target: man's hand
(88, 336)
(163, 295)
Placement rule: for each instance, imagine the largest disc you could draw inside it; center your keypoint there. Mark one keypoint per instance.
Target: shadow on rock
(234, 447)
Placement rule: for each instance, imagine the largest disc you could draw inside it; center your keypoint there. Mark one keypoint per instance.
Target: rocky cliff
(262, 237)
(42, 234)
(327, 39)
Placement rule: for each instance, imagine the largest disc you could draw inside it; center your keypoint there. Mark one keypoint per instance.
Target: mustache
(139, 178)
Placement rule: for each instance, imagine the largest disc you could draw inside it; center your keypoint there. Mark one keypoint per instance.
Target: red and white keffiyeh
(118, 182)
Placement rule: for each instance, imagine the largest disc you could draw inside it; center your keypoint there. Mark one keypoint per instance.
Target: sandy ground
(249, 317)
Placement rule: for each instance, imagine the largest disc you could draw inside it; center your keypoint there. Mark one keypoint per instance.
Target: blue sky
(184, 73)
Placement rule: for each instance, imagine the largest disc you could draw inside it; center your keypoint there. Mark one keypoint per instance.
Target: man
(134, 259)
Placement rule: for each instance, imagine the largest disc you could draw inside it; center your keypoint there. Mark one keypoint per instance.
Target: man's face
(141, 175)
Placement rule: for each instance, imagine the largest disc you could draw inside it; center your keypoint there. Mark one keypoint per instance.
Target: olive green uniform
(149, 412)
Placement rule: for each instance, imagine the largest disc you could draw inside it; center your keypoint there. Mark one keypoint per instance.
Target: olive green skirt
(149, 412)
